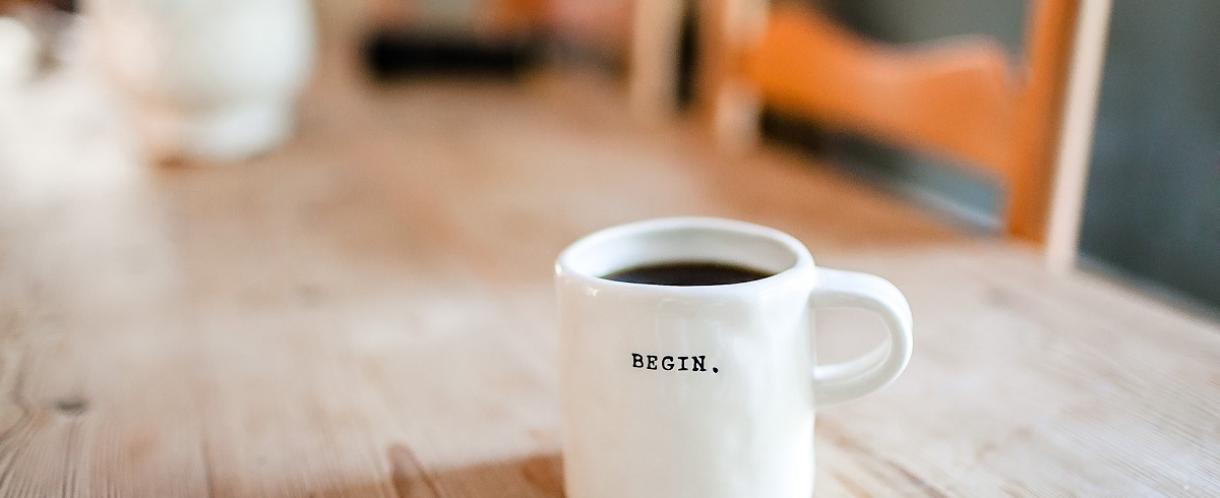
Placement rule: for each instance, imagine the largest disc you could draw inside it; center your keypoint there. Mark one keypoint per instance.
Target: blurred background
(1150, 202)
(291, 247)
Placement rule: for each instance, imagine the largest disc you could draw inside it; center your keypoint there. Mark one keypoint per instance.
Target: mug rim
(802, 260)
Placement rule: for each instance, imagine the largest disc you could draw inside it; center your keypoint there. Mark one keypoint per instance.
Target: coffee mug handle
(851, 379)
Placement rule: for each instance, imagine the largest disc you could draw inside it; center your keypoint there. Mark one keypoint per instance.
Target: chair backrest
(960, 97)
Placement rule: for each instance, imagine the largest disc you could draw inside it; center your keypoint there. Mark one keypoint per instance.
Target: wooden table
(367, 312)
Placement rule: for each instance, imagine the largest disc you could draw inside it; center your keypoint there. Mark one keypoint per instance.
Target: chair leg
(727, 105)
(653, 67)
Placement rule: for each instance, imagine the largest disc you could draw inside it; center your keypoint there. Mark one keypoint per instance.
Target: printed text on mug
(668, 363)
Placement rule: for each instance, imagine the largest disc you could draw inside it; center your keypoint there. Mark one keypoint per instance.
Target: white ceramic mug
(739, 423)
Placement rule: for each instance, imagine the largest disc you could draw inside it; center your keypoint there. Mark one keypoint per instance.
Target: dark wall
(1153, 206)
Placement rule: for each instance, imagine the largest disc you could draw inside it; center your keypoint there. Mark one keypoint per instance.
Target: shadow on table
(536, 476)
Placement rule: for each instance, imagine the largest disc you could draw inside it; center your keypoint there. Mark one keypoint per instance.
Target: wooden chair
(961, 98)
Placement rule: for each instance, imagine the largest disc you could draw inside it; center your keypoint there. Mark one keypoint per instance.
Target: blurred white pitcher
(211, 79)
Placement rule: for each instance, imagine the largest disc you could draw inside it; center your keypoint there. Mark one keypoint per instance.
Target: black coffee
(687, 273)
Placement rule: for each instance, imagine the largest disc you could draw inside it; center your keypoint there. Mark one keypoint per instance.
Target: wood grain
(367, 311)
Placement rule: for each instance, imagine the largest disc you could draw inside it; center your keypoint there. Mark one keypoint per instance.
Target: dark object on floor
(392, 54)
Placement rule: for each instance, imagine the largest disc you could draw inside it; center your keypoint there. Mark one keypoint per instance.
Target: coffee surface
(687, 273)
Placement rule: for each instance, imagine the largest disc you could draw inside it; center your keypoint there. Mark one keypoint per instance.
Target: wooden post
(1076, 136)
